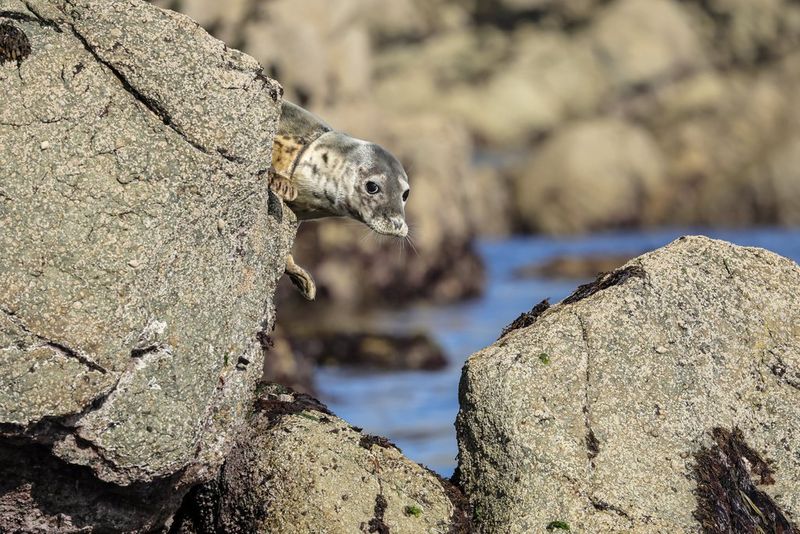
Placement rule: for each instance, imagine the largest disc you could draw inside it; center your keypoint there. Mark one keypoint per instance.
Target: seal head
(340, 176)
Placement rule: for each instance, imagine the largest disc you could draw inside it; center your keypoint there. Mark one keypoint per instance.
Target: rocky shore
(141, 256)
(532, 116)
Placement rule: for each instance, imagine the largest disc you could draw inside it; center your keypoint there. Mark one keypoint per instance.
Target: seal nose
(400, 227)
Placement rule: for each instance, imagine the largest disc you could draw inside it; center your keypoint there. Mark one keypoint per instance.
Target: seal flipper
(282, 185)
(301, 279)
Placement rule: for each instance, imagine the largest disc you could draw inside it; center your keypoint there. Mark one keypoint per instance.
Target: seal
(320, 172)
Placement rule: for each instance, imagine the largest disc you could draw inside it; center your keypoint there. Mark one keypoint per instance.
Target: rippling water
(417, 410)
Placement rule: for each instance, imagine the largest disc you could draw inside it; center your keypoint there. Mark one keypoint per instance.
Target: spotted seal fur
(320, 172)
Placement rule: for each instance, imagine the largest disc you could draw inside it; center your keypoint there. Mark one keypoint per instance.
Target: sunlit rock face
(138, 260)
(663, 397)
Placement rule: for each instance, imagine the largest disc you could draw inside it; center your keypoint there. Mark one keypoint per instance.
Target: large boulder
(300, 468)
(603, 173)
(663, 396)
(138, 256)
(717, 133)
(646, 42)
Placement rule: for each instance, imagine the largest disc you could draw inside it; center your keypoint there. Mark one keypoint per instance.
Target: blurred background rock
(531, 116)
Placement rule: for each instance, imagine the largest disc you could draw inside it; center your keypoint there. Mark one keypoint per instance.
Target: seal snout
(393, 226)
(399, 227)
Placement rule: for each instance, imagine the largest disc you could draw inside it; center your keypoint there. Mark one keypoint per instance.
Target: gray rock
(608, 412)
(138, 259)
(300, 468)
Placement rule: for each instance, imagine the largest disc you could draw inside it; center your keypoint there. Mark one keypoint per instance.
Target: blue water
(417, 410)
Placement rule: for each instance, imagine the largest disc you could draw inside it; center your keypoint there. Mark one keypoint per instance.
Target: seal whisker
(410, 242)
(364, 237)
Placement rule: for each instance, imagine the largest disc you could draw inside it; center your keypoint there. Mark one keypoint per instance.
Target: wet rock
(369, 349)
(597, 174)
(126, 134)
(661, 397)
(301, 469)
(572, 267)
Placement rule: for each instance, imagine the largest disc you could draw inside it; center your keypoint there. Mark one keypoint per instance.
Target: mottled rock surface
(369, 349)
(300, 468)
(138, 258)
(663, 395)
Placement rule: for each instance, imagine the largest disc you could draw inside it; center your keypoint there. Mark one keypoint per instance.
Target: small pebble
(221, 225)
(661, 349)
(134, 263)
(45, 145)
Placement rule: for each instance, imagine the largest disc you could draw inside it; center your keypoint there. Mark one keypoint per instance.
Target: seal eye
(405, 194)
(372, 188)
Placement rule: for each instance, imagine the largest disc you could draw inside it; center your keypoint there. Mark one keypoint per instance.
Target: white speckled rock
(126, 136)
(598, 413)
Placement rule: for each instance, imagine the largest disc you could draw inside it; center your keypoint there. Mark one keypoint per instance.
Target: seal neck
(298, 128)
